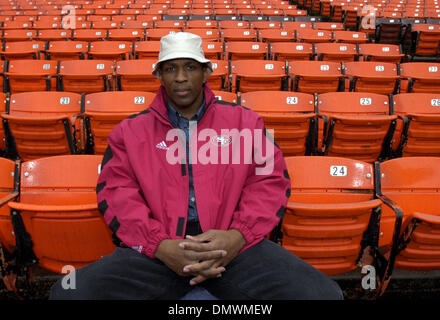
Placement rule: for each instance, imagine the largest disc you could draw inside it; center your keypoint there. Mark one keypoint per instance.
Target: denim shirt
(179, 121)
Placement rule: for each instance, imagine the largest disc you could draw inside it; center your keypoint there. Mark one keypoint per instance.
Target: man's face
(183, 80)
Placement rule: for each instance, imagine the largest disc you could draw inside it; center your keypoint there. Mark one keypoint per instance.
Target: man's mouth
(182, 92)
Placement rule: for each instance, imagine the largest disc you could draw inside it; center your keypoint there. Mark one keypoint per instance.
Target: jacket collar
(159, 104)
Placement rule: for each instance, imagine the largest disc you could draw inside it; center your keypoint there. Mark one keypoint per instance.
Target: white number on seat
(435, 102)
(139, 100)
(64, 100)
(292, 100)
(338, 171)
(365, 101)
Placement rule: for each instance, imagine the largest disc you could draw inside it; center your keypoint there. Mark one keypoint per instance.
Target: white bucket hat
(181, 45)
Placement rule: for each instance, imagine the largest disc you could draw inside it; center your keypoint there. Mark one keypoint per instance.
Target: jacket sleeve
(122, 203)
(266, 192)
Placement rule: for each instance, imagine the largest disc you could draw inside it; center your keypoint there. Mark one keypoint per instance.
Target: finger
(203, 237)
(209, 268)
(197, 246)
(206, 255)
(200, 278)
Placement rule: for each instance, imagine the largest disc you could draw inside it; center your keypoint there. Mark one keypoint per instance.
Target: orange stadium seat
(226, 96)
(418, 128)
(126, 34)
(157, 34)
(332, 217)
(356, 125)
(135, 75)
(104, 110)
(350, 36)
(30, 75)
(219, 78)
(371, 76)
(291, 116)
(54, 34)
(426, 39)
(315, 76)
(41, 124)
(19, 35)
(146, 49)
(9, 190)
(60, 212)
(246, 50)
(258, 75)
(85, 76)
(410, 188)
(207, 34)
(213, 49)
(110, 50)
(337, 52)
(276, 35)
(239, 34)
(89, 34)
(421, 77)
(290, 51)
(313, 36)
(17, 50)
(380, 52)
(66, 50)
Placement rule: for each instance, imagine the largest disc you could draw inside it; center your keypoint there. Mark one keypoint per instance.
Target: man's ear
(205, 73)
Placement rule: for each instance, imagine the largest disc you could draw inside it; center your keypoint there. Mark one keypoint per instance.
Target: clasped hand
(203, 256)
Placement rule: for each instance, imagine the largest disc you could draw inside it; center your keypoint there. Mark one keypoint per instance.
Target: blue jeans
(265, 271)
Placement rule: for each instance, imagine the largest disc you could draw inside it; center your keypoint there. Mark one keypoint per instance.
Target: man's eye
(191, 67)
(169, 69)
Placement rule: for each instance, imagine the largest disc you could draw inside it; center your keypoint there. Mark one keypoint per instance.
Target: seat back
(418, 129)
(67, 50)
(146, 49)
(413, 183)
(85, 76)
(110, 50)
(290, 114)
(219, 78)
(337, 52)
(290, 51)
(31, 75)
(371, 76)
(17, 50)
(9, 178)
(59, 209)
(135, 75)
(257, 75)
(246, 50)
(315, 76)
(380, 52)
(422, 76)
(426, 39)
(40, 124)
(356, 125)
(330, 207)
(104, 110)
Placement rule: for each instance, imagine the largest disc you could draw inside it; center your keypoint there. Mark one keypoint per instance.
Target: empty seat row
(271, 50)
(208, 34)
(340, 212)
(86, 76)
(364, 126)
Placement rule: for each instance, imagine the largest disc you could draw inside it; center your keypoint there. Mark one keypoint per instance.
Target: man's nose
(181, 75)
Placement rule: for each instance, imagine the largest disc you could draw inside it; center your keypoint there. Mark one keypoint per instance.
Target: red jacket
(144, 196)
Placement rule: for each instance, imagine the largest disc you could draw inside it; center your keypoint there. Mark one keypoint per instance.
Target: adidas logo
(162, 145)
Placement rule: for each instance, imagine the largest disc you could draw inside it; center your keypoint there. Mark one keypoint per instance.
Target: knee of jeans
(63, 290)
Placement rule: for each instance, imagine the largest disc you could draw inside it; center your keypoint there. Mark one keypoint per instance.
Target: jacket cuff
(247, 234)
(152, 245)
